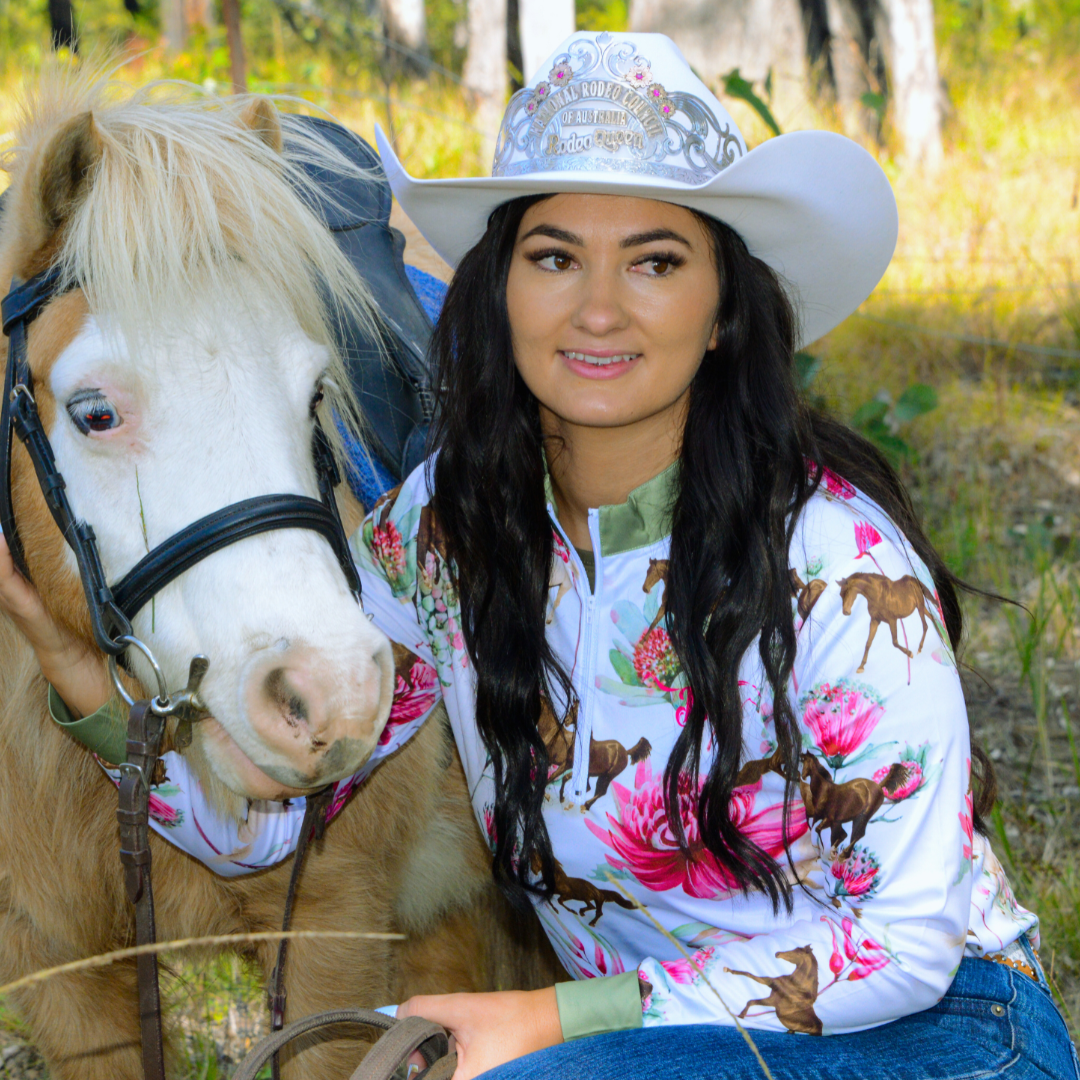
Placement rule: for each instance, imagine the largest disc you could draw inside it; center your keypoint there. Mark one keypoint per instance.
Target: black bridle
(113, 607)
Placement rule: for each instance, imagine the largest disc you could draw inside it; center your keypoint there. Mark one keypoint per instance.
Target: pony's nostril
(285, 696)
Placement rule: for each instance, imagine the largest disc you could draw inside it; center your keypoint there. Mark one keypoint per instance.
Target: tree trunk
(913, 75)
(405, 24)
(62, 20)
(847, 54)
(230, 11)
(174, 24)
(485, 67)
(755, 36)
(545, 25)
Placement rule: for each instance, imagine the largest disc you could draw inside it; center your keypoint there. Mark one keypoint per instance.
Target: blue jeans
(994, 1021)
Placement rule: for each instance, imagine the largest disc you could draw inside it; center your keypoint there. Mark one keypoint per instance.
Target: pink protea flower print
(858, 959)
(644, 842)
(867, 956)
(856, 876)
(654, 659)
(413, 696)
(685, 698)
(163, 813)
(841, 717)
(914, 781)
(683, 971)
(836, 961)
(866, 536)
(560, 74)
(837, 485)
(967, 819)
(489, 825)
(387, 548)
(559, 544)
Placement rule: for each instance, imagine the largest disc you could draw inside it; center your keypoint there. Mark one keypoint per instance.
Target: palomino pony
(183, 373)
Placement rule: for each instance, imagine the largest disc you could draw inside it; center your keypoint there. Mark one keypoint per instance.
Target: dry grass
(988, 249)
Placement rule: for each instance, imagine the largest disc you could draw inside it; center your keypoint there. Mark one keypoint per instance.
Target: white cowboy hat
(625, 115)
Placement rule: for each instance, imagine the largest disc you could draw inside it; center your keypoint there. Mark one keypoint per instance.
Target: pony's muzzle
(315, 720)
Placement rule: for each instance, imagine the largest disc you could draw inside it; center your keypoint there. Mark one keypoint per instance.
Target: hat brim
(813, 205)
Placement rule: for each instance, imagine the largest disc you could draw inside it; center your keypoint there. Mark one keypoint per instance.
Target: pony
(182, 369)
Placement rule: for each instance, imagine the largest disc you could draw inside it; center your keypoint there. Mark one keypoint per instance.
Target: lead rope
(145, 729)
(314, 823)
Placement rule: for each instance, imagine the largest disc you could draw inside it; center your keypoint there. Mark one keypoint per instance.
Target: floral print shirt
(894, 886)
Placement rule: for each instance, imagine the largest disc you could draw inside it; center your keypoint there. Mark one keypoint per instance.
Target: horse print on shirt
(791, 996)
(607, 757)
(806, 594)
(581, 891)
(887, 601)
(835, 805)
(658, 574)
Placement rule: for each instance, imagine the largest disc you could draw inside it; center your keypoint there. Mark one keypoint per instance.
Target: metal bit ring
(162, 699)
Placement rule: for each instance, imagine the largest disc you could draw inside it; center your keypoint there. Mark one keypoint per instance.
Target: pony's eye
(316, 400)
(92, 411)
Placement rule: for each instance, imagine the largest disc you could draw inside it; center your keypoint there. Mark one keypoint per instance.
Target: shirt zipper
(583, 731)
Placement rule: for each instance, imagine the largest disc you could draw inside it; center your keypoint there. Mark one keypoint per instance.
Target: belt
(1015, 956)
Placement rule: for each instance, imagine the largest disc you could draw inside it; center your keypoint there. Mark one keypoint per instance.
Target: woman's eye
(656, 267)
(93, 412)
(556, 261)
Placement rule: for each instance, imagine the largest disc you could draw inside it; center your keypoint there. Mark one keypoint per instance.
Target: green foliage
(611, 15)
(737, 87)
(880, 419)
(979, 32)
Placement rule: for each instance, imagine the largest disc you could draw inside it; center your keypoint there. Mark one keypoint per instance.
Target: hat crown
(617, 104)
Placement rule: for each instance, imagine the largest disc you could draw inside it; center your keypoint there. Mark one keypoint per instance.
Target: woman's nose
(600, 310)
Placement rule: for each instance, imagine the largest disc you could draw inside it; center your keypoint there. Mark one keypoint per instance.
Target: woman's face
(612, 304)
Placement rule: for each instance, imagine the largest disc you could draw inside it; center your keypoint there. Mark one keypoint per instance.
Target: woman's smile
(598, 363)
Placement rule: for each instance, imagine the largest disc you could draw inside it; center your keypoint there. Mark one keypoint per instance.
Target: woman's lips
(606, 364)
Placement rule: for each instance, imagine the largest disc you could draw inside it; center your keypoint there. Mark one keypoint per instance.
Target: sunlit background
(964, 365)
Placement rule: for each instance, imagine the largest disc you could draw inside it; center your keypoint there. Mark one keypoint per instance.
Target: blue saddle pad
(368, 477)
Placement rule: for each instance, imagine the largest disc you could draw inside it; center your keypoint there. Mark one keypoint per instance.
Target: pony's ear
(261, 116)
(64, 169)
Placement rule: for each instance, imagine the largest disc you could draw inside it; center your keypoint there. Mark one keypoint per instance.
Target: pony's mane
(188, 202)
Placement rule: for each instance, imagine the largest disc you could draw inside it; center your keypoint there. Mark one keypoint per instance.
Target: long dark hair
(743, 480)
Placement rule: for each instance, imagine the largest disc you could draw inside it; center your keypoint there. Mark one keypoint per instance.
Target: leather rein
(113, 607)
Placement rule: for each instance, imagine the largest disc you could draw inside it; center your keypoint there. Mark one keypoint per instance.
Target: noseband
(113, 607)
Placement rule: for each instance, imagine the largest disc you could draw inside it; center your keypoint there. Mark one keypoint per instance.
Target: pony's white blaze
(211, 413)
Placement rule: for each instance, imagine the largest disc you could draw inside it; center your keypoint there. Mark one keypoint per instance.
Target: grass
(987, 250)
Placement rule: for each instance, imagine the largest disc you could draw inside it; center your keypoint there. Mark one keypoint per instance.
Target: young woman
(650, 583)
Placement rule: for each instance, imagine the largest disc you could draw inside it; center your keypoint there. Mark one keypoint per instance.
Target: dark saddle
(393, 384)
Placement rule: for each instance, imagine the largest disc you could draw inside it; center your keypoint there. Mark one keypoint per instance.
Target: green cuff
(104, 732)
(596, 1006)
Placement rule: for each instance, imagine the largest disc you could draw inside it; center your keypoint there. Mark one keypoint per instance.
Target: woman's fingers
(17, 596)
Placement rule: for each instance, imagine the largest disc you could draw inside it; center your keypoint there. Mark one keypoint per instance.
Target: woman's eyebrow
(555, 233)
(654, 234)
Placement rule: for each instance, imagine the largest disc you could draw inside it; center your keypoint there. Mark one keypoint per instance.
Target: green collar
(643, 520)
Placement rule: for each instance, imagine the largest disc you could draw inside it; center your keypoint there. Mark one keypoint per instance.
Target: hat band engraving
(600, 110)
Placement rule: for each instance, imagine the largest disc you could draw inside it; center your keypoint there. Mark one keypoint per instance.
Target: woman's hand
(73, 667)
(491, 1029)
